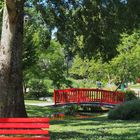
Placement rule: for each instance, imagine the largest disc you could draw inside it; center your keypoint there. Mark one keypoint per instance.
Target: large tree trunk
(11, 90)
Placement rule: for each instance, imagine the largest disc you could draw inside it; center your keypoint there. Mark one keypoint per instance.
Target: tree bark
(11, 89)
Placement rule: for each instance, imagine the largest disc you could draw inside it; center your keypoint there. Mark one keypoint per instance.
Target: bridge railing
(78, 96)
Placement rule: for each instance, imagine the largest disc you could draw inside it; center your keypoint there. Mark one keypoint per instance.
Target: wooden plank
(24, 125)
(25, 138)
(20, 132)
(14, 120)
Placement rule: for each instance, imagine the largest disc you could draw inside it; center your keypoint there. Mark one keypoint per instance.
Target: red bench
(24, 129)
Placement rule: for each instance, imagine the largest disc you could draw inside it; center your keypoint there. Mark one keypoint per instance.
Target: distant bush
(130, 95)
(127, 111)
(29, 96)
(37, 89)
(37, 95)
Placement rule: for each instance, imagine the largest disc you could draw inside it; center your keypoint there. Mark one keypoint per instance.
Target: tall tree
(98, 22)
(11, 90)
(89, 19)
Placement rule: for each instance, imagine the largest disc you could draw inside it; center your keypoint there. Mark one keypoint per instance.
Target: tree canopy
(97, 24)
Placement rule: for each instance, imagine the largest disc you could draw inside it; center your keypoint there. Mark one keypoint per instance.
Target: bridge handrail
(81, 95)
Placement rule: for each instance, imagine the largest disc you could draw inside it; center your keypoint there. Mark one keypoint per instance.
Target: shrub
(130, 95)
(36, 95)
(71, 110)
(37, 89)
(126, 111)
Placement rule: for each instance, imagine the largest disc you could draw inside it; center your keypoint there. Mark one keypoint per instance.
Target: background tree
(126, 64)
(99, 22)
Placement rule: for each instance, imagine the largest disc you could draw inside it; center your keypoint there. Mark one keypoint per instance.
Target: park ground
(94, 127)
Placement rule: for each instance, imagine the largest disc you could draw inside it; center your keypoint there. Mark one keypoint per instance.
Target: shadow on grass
(100, 135)
(67, 135)
(75, 122)
(37, 111)
(95, 129)
(96, 120)
(34, 111)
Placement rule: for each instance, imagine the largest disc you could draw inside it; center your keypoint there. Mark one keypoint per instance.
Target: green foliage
(98, 70)
(89, 70)
(71, 110)
(49, 70)
(126, 64)
(86, 83)
(130, 95)
(42, 60)
(30, 50)
(80, 67)
(1, 11)
(127, 111)
(1, 6)
(123, 67)
(89, 27)
(51, 63)
(37, 89)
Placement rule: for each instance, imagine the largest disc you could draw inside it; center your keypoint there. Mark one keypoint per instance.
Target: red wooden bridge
(96, 97)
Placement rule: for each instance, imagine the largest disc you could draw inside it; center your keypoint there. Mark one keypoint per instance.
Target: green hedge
(130, 95)
(127, 111)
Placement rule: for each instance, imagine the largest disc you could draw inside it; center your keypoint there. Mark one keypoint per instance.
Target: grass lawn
(37, 111)
(34, 101)
(99, 128)
(135, 86)
(96, 128)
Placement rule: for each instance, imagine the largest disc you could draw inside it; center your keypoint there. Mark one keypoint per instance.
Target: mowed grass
(99, 128)
(38, 111)
(34, 101)
(96, 128)
(135, 86)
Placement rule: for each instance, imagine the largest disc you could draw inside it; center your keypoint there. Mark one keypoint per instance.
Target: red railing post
(101, 101)
(54, 96)
(123, 97)
(77, 91)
